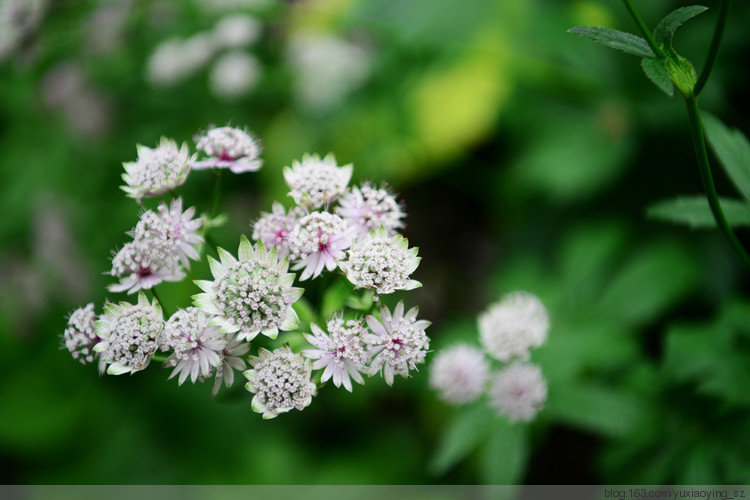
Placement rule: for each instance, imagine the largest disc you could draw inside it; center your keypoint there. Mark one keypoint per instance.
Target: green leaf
(620, 40)
(334, 298)
(468, 429)
(733, 150)
(664, 31)
(505, 454)
(695, 212)
(657, 73)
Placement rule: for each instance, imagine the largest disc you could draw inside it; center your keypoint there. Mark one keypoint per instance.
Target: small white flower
(369, 208)
(231, 359)
(341, 352)
(130, 335)
(382, 263)
(398, 344)
(234, 75)
(80, 336)
(251, 295)
(518, 392)
(18, 20)
(318, 241)
(231, 148)
(175, 60)
(157, 170)
(316, 182)
(237, 31)
(197, 345)
(142, 265)
(280, 381)
(514, 325)
(273, 229)
(459, 373)
(173, 231)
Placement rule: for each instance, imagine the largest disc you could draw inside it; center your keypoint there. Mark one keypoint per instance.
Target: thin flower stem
(714, 49)
(644, 30)
(159, 358)
(696, 131)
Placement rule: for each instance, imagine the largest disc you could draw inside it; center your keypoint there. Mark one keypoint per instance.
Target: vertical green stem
(644, 30)
(714, 49)
(696, 131)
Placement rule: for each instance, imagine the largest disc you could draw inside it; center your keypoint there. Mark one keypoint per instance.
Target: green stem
(159, 358)
(714, 49)
(644, 30)
(696, 131)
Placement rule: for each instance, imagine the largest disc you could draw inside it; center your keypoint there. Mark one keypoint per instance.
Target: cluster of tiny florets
(316, 182)
(157, 170)
(369, 208)
(318, 241)
(80, 336)
(507, 330)
(273, 229)
(228, 147)
(197, 346)
(280, 381)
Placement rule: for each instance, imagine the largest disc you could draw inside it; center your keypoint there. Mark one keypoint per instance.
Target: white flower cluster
(234, 73)
(252, 292)
(461, 374)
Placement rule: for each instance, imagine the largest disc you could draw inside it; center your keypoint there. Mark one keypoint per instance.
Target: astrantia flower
(80, 336)
(513, 326)
(318, 240)
(157, 170)
(518, 391)
(341, 352)
(251, 295)
(273, 229)
(382, 263)
(142, 264)
(234, 75)
(280, 381)
(369, 208)
(315, 182)
(197, 345)
(173, 231)
(130, 335)
(398, 344)
(459, 374)
(231, 359)
(231, 148)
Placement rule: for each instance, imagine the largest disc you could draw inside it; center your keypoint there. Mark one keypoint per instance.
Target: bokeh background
(526, 158)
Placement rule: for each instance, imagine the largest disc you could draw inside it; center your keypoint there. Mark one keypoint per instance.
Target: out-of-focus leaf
(620, 40)
(505, 454)
(652, 281)
(665, 30)
(305, 312)
(464, 434)
(695, 212)
(334, 298)
(598, 409)
(733, 150)
(657, 73)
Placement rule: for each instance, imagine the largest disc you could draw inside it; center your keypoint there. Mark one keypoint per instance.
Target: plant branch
(715, 44)
(696, 131)
(644, 30)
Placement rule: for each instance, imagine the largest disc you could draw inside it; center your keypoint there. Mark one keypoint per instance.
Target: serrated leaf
(620, 40)
(665, 30)
(695, 212)
(733, 150)
(505, 454)
(657, 73)
(462, 437)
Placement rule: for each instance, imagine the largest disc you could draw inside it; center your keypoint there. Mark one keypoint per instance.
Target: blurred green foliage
(525, 156)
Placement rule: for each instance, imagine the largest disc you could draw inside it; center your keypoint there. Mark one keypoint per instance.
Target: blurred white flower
(326, 69)
(341, 351)
(459, 373)
(318, 241)
(369, 208)
(157, 170)
(251, 295)
(398, 343)
(273, 229)
(229, 147)
(514, 325)
(80, 336)
(237, 31)
(221, 6)
(381, 262)
(234, 75)
(316, 182)
(18, 19)
(174, 60)
(518, 392)
(280, 381)
(130, 335)
(197, 345)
